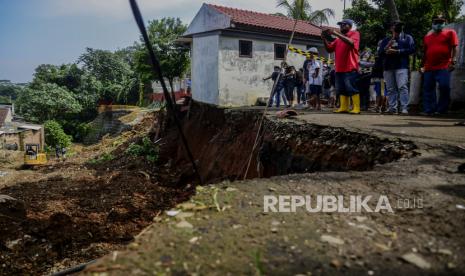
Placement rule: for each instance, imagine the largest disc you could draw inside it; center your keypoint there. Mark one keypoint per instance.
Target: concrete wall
(22, 138)
(208, 19)
(204, 67)
(241, 79)
(9, 116)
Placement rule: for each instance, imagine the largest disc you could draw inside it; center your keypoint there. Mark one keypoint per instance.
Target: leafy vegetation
(9, 91)
(174, 58)
(147, 149)
(69, 94)
(301, 9)
(47, 102)
(105, 157)
(55, 136)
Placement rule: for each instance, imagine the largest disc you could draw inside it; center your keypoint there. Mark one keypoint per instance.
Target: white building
(233, 50)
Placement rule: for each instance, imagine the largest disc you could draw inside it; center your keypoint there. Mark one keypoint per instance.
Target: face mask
(438, 27)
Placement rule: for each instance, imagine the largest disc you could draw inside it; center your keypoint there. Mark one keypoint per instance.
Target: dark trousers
(300, 93)
(346, 83)
(277, 94)
(290, 91)
(363, 85)
(430, 103)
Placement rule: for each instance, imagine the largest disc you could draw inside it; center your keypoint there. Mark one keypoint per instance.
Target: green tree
(9, 91)
(47, 102)
(174, 58)
(55, 136)
(371, 22)
(115, 74)
(65, 75)
(302, 10)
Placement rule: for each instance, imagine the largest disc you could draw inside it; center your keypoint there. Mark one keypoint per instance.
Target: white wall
(205, 68)
(208, 19)
(241, 79)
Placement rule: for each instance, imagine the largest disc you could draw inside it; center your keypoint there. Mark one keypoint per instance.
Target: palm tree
(302, 10)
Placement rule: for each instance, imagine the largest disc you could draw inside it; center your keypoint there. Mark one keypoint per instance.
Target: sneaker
(404, 111)
(426, 114)
(391, 112)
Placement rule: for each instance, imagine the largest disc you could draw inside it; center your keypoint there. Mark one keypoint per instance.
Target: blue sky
(34, 32)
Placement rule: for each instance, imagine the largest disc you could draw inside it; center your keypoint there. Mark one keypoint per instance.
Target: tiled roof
(268, 21)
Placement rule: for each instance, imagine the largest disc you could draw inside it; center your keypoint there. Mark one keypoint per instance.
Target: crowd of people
(347, 85)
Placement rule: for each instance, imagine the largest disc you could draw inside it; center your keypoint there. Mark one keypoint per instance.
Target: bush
(105, 157)
(146, 149)
(54, 135)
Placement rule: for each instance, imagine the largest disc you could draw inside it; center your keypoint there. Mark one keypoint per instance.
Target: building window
(245, 48)
(279, 51)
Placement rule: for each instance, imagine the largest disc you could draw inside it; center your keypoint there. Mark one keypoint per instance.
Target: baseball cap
(346, 21)
(439, 17)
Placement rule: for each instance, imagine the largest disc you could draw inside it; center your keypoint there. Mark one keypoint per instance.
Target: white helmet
(313, 50)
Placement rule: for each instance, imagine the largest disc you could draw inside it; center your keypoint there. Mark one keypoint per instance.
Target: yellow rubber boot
(344, 104)
(356, 102)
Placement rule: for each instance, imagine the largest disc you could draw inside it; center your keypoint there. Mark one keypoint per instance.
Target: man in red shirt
(439, 60)
(346, 48)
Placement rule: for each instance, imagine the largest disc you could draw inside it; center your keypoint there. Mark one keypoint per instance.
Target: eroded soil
(234, 236)
(79, 210)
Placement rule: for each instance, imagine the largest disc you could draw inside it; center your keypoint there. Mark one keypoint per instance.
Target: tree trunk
(141, 93)
(170, 80)
(392, 8)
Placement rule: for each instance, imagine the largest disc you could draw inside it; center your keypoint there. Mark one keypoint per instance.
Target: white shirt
(311, 67)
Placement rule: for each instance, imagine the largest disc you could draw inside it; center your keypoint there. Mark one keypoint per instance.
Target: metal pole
(157, 70)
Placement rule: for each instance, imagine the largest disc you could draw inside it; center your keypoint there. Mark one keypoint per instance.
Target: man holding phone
(440, 58)
(346, 48)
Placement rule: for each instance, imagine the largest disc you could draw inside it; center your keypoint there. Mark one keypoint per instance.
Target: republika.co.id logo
(335, 204)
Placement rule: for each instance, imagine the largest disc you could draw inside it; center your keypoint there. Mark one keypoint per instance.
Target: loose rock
(184, 224)
(332, 240)
(416, 260)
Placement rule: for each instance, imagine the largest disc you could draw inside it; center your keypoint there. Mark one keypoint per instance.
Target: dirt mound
(76, 220)
(72, 218)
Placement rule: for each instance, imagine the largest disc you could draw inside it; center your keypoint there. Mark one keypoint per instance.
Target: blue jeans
(345, 83)
(277, 94)
(430, 103)
(397, 87)
(378, 91)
